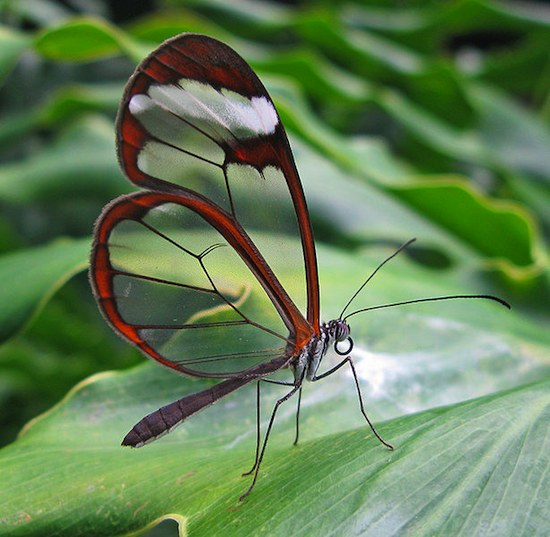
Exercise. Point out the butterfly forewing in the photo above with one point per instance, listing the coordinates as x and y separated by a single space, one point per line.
195 115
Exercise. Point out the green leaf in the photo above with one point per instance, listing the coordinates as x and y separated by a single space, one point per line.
364 53
430 129
447 214
338 477
417 358
82 161
162 25
86 39
34 275
511 136
502 232
245 16
38 13
68 336
441 90
317 77
12 45
65 105
77 99
441 210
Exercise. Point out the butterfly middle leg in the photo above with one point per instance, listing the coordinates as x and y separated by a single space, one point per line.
258 426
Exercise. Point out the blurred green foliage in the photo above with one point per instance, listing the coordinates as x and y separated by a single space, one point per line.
413 119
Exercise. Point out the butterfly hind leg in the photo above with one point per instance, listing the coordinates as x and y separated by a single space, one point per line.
260 452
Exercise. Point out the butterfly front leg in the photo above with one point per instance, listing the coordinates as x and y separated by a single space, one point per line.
348 360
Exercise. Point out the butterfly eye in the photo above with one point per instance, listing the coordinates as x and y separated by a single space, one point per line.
338 329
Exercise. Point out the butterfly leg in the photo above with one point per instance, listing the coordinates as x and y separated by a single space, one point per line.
258 435
258 428
297 406
298 417
268 431
348 360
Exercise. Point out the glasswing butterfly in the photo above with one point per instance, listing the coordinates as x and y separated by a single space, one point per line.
179 269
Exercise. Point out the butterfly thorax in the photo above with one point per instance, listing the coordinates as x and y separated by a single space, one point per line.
312 354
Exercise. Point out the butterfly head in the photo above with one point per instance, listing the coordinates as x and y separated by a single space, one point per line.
338 330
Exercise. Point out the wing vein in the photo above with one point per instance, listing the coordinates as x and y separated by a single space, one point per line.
223 357
189 326
163 281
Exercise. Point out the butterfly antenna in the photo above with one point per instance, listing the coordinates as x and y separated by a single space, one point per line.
430 299
401 248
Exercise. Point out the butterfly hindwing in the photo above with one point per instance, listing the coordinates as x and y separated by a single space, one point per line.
182 281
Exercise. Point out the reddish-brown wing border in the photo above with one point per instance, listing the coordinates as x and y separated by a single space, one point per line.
207 60
135 207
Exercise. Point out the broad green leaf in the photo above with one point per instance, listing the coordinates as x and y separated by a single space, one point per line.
12 45
78 99
511 136
39 13
447 213
338 477
455 470
34 275
502 231
66 342
368 156
364 53
85 40
364 212
16 126
533 194
82 161
440 89
243 16
473 14
430 129
64 105
162 25
505 139
509 239
426 26
527 60
317 77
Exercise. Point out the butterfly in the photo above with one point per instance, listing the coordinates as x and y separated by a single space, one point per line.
182 268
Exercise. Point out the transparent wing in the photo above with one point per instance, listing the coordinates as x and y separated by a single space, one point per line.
180 279
195 115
